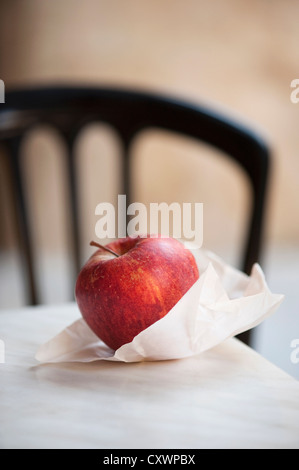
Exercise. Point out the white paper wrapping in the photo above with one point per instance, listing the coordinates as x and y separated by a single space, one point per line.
222 303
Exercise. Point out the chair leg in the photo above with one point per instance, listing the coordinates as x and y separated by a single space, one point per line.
21 218
245 337
74 206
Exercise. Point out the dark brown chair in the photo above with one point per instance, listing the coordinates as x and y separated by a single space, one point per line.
68 109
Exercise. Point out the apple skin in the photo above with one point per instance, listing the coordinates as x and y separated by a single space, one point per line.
120 296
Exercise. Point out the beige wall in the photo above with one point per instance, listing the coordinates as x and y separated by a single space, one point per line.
239 56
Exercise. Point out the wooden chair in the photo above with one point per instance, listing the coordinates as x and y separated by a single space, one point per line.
70 108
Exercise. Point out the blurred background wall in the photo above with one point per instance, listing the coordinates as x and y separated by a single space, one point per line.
237 57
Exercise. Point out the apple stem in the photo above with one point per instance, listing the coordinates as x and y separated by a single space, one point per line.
104 248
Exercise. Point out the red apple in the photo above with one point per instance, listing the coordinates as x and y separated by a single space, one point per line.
122 291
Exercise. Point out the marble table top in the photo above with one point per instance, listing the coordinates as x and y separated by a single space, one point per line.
227 397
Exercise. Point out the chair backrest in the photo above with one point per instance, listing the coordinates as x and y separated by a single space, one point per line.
70 108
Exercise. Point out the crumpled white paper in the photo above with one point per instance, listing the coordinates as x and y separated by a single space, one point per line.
222 303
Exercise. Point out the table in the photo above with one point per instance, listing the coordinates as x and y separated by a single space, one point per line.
227 397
